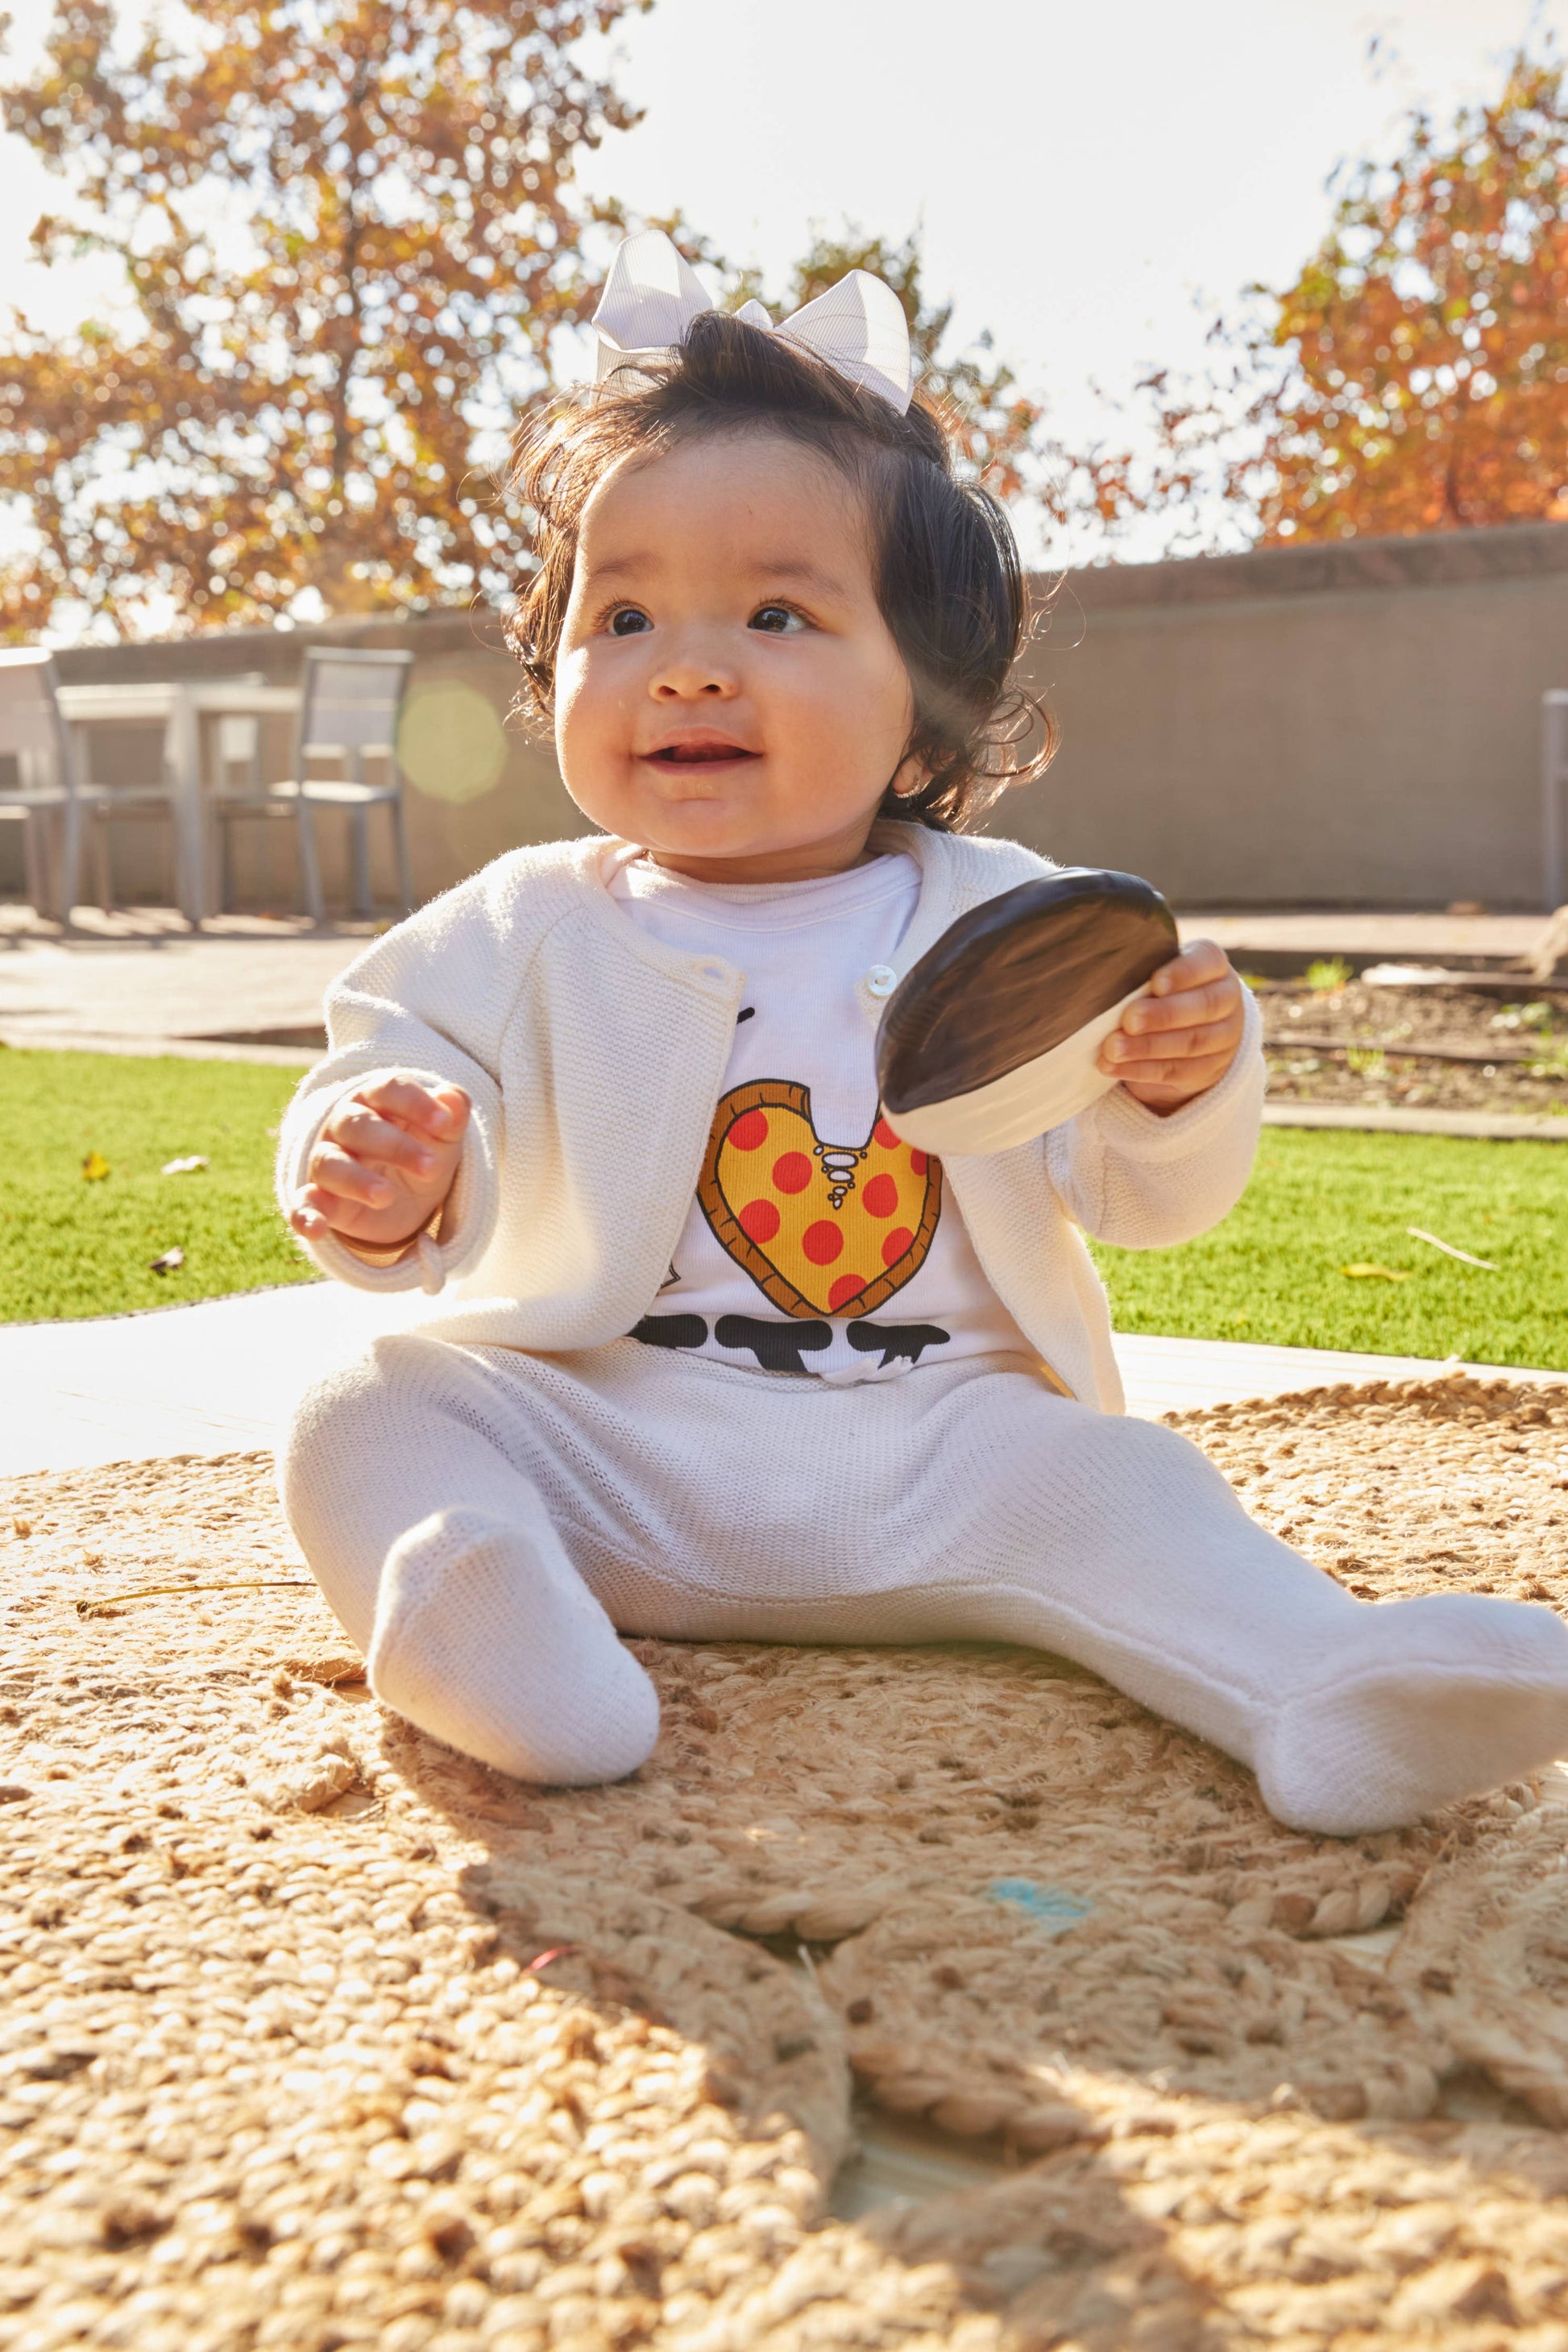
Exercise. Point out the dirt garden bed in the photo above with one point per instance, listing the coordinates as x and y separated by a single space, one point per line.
1333 1039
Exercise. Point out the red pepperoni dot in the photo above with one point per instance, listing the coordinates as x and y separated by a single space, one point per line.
883 1134
750 1131
822 1243
880 1197
792 1172
917 1162
760 1221
848 1286
895 1245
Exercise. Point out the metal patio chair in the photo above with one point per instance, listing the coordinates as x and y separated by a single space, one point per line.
46 796
348 714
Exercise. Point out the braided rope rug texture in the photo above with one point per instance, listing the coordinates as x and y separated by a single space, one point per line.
273 2072
1191 2225
1486 1952
1018 1869
1208 1979
284 2061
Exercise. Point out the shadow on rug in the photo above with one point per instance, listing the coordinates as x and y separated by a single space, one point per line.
318 2035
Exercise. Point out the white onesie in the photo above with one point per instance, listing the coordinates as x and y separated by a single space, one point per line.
817 1242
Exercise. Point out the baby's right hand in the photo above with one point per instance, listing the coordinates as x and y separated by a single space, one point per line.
383 1163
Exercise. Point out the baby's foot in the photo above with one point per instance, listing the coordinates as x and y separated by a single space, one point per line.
486 1637
1427 1700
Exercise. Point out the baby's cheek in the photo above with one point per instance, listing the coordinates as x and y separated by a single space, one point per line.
572 704
592 745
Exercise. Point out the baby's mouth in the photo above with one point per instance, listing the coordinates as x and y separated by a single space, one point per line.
703 752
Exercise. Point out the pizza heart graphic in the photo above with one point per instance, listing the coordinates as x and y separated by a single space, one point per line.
822 1228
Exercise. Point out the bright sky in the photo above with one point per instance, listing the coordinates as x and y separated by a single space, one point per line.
1090 181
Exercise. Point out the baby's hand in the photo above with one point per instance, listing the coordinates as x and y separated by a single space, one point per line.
1181 1039
384 1162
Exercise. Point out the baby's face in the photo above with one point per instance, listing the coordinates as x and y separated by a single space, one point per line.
727 691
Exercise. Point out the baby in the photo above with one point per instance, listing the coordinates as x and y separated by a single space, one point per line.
722 1357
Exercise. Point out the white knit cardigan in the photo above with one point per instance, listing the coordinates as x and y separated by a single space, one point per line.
594 1057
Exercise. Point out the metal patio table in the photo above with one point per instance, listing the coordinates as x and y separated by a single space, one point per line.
179 705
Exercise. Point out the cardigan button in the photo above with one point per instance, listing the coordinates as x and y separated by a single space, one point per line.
881 980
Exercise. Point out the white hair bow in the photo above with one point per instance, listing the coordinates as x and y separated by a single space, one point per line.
651 297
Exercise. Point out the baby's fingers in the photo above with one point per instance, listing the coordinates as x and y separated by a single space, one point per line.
439 1112
306 1216
316 1214
1197 966
1127 1054
1185 1008
455 1105
363 1132
336 1176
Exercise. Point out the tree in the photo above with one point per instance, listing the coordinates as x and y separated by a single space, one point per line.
1427 343
1414 378
348 236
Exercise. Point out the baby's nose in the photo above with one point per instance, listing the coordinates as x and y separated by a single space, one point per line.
689 682
693 672
689 689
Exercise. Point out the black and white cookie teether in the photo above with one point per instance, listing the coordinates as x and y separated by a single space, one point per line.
994 1036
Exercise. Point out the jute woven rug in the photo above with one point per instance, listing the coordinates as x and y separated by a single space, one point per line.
318 2035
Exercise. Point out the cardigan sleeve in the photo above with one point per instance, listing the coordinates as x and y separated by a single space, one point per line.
1128 1176
427 1002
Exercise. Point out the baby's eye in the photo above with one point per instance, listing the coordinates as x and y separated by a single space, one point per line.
776 619
628 621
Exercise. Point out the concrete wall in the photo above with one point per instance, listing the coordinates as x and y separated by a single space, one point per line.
1356 725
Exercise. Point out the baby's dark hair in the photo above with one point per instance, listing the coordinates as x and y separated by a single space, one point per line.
948 579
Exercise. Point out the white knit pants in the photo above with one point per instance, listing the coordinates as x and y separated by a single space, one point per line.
483 1521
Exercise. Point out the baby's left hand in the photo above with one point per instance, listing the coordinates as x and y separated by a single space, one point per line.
1181 1039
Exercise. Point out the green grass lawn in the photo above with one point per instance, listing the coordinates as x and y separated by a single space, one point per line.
71 1247
1271 1272
1321 1202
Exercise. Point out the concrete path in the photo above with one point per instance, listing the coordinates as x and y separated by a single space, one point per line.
1401 935
114 989
221 1377
218 1378
1389 1118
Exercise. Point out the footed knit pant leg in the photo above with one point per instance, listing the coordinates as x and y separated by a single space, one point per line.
1126 1549
434 1547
